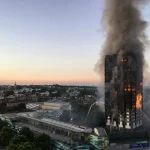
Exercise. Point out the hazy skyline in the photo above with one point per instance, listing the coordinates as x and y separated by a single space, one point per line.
51 41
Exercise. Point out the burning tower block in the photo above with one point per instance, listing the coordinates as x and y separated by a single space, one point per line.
123 93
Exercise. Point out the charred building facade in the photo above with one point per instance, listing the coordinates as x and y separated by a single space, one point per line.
123 93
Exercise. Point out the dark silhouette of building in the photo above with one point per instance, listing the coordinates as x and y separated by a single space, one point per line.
123 93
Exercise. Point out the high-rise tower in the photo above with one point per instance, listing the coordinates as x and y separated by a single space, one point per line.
123 92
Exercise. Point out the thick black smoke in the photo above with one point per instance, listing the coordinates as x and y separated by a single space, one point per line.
125 36
125 31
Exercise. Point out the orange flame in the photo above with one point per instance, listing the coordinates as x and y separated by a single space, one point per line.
139 101
123 60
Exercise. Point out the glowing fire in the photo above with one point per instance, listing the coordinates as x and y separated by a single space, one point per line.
123 60
139 100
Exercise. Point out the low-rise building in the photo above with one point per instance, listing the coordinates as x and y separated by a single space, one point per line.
64 132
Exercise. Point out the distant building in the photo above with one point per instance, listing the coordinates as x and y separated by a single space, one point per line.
49 105
12 101
60 110
32 106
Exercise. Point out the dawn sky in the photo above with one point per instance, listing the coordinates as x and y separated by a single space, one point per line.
51 41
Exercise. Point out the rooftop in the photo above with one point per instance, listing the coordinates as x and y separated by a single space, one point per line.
57 123
32 106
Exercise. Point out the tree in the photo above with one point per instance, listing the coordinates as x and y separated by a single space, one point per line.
3 124
8 93
6 135
33 91
28 133
18 139
11 147
19 87
27 146
22 146
43 141
43 89
85 91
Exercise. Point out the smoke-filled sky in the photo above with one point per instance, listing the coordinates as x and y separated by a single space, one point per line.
51 41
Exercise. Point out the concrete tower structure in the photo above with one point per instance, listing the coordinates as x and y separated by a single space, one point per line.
123 93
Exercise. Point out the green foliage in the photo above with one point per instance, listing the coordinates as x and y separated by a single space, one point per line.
11 147
33 91
21 142
85 92
27 146
43 89
22 146
6 135
24 141
60 90
8 93
19 87
43 141
28 133
3 124
19 139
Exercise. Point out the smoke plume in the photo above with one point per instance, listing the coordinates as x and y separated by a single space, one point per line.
125 31
126 38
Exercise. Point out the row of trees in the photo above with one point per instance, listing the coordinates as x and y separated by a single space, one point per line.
60 91
85 92
24 140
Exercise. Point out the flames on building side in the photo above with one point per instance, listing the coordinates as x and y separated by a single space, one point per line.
139 101
123 92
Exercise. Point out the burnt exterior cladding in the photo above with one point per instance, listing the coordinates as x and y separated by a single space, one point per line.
123 93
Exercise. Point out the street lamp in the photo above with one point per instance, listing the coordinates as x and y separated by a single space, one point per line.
90 110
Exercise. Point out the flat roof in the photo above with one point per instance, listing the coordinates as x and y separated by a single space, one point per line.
58 124
49 107
31 106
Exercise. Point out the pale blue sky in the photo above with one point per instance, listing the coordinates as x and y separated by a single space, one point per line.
47 41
